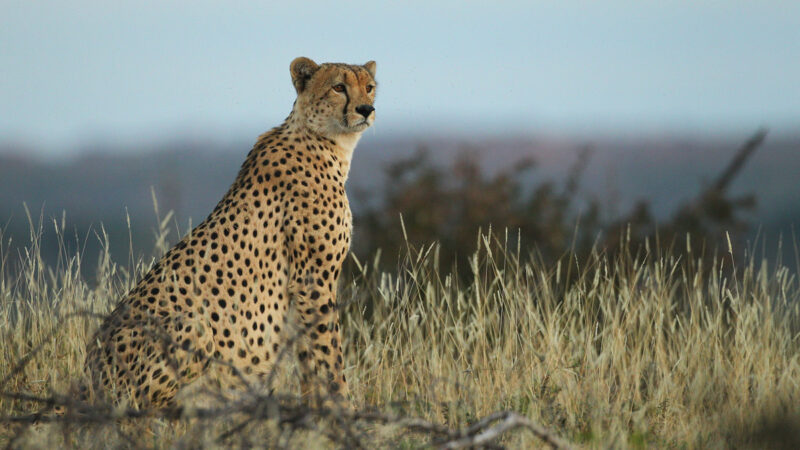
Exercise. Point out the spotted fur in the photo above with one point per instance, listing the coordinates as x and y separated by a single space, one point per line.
271 249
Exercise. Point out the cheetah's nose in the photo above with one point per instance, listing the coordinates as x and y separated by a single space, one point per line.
365 110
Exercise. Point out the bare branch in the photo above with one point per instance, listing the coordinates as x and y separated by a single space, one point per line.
738 161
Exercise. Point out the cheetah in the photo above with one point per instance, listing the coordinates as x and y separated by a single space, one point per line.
271 249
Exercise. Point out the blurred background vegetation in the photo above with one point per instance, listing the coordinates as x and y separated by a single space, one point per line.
418 193
423 202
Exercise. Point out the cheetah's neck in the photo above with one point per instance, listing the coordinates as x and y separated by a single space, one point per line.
342 145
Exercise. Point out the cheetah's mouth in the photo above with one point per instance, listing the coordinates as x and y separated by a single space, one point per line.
360 126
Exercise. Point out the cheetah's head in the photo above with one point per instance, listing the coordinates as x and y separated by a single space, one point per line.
334 99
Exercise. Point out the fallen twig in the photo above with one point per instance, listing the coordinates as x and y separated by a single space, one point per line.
291 412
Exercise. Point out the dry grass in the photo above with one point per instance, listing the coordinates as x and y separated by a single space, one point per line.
640 350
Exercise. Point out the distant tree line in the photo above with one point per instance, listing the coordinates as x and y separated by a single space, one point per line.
449 204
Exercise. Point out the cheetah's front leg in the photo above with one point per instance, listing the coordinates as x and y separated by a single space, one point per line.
319 350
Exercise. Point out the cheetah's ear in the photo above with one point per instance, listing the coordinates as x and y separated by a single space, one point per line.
370 66
302 69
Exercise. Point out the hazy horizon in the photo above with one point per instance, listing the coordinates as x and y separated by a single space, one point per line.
85 72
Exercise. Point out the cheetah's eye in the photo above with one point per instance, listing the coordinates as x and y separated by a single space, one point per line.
339 88
370 88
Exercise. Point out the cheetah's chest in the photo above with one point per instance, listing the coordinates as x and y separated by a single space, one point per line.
327 219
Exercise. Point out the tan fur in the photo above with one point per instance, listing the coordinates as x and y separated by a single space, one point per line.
272 249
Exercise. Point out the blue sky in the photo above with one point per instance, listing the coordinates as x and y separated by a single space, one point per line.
73 72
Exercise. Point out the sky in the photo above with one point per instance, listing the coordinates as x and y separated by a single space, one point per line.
81 71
